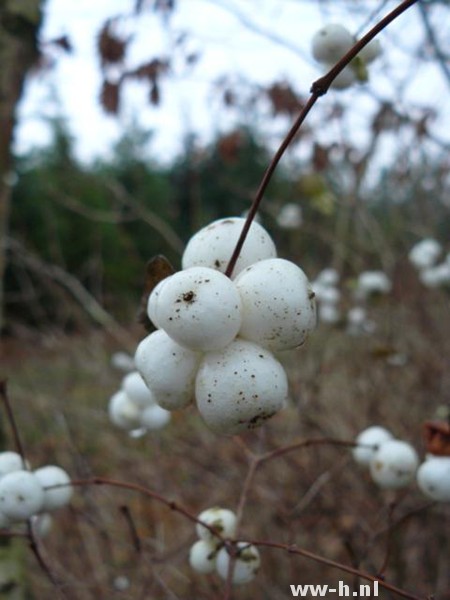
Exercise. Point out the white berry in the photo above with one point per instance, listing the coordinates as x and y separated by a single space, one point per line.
221 520
213 245
199 308
21 495
49 476
10 462
370 440
278 308
123 412
202 557
42 524
370 52
331 43
154 417
137 390
433 478
394 464
246 565
168 369
239 388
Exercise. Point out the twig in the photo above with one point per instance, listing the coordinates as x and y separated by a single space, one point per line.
293 549
318 89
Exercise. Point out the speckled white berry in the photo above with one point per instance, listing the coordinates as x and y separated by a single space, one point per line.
237 389
10 462
213 245
278 308
199 308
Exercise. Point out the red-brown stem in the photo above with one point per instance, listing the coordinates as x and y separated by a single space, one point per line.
292 549
12 422
134 487
318 88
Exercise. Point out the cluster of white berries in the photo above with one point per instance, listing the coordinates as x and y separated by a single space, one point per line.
133 407
209 553
216 335
329 299
394 464
331 43
26 494
424 256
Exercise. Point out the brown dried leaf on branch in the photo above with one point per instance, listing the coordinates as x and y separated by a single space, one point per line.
437 437
111 47
110 97
283 99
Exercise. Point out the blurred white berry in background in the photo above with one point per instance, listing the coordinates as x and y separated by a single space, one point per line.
123 412
435 277
240 387
369 441
328 313
202 556
154 417
213 245
122 362
358 322
137 391
199 308
371 283
290 216
425 253
246 565
42 524
21 495
221 520
331 43
433 478
278 308
58 497
394 464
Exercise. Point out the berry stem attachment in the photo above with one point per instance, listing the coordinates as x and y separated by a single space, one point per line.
318 88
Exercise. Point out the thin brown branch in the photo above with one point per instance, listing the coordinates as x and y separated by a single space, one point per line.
293 549
318 88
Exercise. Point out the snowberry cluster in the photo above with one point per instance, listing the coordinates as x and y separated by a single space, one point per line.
209 554
134 409
216 335
331 43
393 464
26 494
424 256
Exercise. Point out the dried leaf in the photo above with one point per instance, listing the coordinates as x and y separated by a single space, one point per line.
437 437
110 97
157 269
110 47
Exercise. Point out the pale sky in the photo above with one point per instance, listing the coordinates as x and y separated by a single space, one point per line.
226 47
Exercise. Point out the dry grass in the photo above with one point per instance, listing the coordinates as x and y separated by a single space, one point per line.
315 497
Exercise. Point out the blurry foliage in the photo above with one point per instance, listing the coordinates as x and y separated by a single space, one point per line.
97 221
